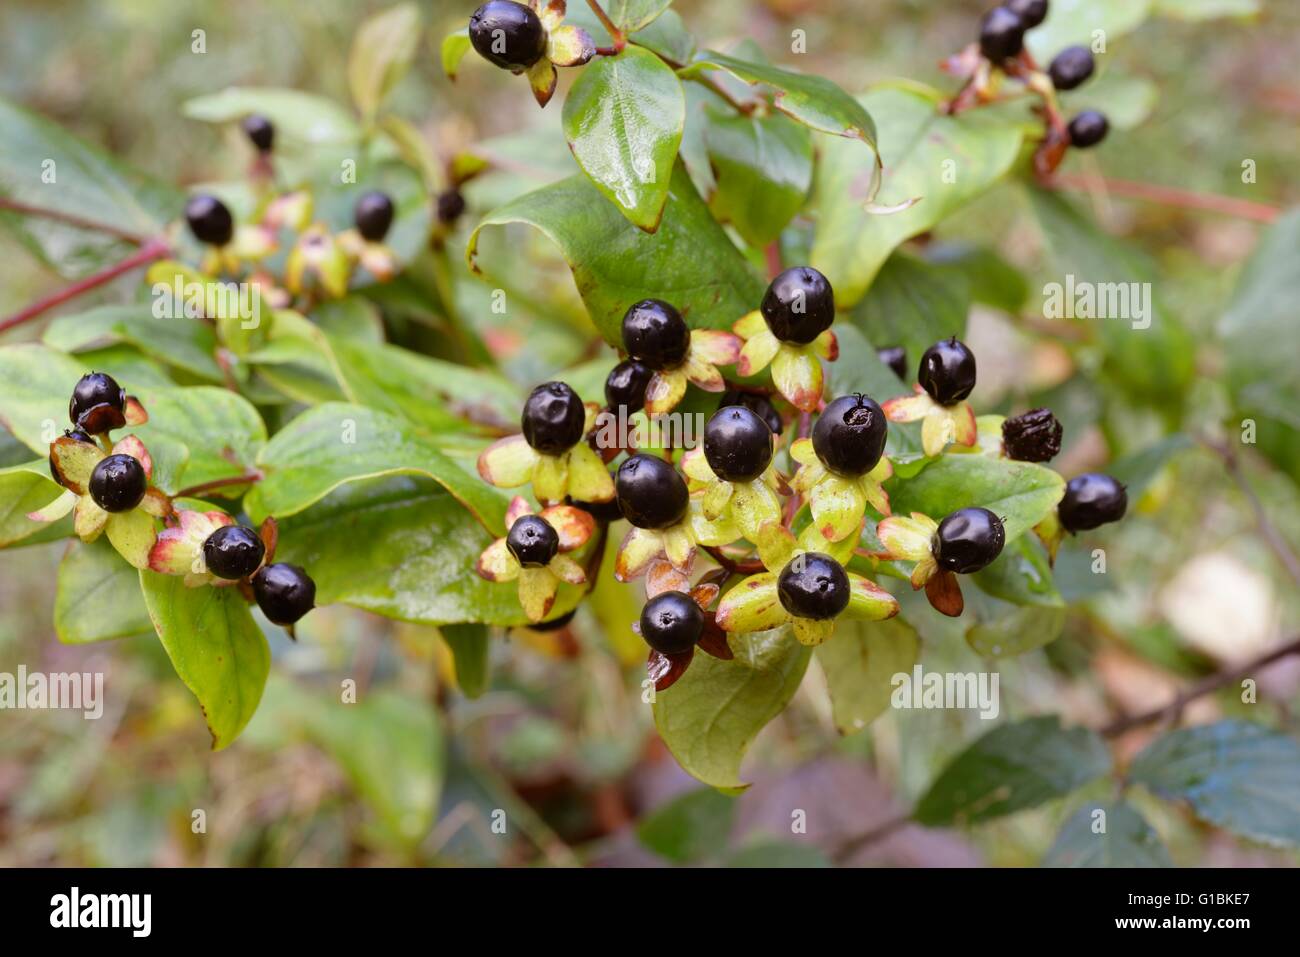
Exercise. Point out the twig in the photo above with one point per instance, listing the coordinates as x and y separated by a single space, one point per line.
154 249
744 109
620 38
1266 527
854 844
26 209
1167 196
1203 687
248 478
745 567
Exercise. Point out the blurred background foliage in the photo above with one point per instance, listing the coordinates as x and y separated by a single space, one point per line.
559 741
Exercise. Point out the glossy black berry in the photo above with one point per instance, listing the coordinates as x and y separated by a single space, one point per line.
656 333
1034 436
1030 12
626 384
284 592
968 539
1002 34
97 404
947 371
799 305
671 623
233 552
209 220
737 444
451 204
260 132
896 358
553 418
1090 501
850 434
758 404
77 434
118 483
1070 68
1088 129
650 492
532 541
373 215
508 34
813 586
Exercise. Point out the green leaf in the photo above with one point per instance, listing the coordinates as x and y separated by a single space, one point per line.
631 15
1139 469
711 715
1022 494
1127 100
1206 9
914 304
814 101
1013 767
668 37
214 645
1262 380
403 548
336 443
692 827
764 167
98 596
188 344
26 488
623 120
297 116
1125 839
1021 575
860 662
1003 630
942 161
1078 21
454 47
689 261
769 854
199 434
38 382
1236 774
381 54
470 647
86 184
993 281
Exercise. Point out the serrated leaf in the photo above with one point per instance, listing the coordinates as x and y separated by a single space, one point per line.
711 715
381 54
1013 767
692 827
860 663
98 596
1126 841
1237 774
215 646
689 261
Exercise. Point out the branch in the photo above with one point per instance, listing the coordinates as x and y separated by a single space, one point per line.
854 844
1266 527
71 219
1166 195
749 567
248 478
620 38
154 249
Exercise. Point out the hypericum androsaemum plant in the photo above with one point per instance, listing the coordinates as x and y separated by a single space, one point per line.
311 349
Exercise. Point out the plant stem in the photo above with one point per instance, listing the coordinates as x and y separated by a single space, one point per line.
154 249
746 567
248 478
854 844
744 109
26 209
773 254
1203 687
1166 196
620 38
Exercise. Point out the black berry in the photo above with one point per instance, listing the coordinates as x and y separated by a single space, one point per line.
373 215
656 333
553 418
233 552
1034 436
850 434
758 404
947 371
284 592
1002 34
799 305
1030 12
896 358
1070 68
209 219
813 586
626 384
532 541
97 404
737 444
650 492
451 204
1091 500
671 623
1088 129
508 34
118 483
77 434
968 539
260 132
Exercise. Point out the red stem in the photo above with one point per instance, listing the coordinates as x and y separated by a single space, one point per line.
153 249
248 478
773 254
1168 196
620 39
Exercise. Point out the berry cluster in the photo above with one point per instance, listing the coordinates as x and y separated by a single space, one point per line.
530 39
